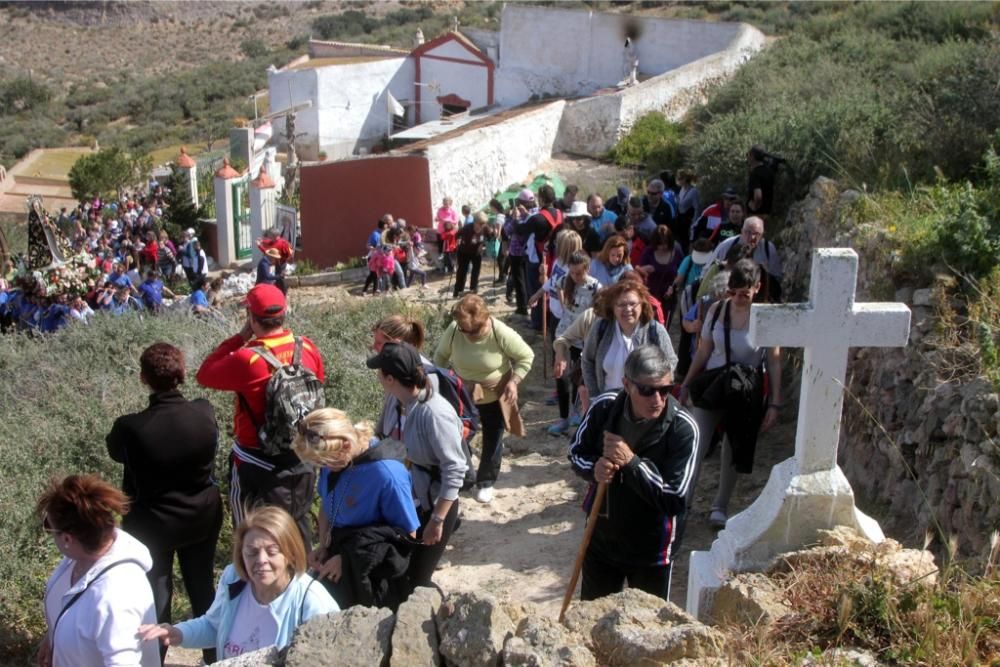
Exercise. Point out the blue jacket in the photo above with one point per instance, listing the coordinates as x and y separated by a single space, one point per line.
300 602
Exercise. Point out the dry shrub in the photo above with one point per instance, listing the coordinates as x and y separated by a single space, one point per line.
850 600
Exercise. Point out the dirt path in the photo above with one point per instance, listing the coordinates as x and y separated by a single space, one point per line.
521 546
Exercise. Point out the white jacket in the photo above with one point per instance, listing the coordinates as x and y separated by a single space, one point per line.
99 629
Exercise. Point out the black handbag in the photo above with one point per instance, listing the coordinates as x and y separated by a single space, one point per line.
718 388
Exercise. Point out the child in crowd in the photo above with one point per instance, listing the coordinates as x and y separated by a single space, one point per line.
466 215
386 267
414 265
449 246
375 262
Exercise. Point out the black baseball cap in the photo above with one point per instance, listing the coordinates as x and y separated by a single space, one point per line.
400 360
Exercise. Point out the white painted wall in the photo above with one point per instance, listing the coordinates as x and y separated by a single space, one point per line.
571 53
475 164
468 81
591 126
328 125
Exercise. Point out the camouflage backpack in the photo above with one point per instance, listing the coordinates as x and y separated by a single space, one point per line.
292 392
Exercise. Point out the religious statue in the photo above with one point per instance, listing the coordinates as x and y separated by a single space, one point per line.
47 247
631 63
418 39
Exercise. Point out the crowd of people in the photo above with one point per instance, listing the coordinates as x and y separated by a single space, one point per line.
114 256
602 282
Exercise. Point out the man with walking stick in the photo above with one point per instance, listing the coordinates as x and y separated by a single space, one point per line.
640 446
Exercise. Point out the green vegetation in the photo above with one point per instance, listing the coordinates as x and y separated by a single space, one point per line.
877 95
107 171
948 228
180 213
398 26
652 142
62 394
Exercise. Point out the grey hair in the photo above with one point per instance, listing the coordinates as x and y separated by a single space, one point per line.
649 361
273 232
658 184
720 283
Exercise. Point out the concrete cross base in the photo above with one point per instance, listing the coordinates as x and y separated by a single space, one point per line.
786 517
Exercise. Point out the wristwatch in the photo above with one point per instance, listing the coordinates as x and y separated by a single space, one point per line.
436 519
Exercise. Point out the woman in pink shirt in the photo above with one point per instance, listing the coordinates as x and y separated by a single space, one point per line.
444 215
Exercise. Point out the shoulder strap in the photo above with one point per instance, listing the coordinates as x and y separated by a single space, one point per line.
80 593
266 355
725 330
297 355
553 221
715 316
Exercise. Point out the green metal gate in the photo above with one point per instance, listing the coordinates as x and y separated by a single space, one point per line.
241 219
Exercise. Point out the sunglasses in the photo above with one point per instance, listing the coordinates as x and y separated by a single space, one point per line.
48 527
313 437
647 390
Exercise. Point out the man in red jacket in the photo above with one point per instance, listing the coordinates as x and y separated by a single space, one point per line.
255 478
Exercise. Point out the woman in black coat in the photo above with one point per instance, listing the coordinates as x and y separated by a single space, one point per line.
168 451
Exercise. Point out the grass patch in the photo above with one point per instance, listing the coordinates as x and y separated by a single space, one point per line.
56 162
62 393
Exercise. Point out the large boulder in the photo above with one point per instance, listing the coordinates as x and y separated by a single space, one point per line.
843 545
355 637
635 628
582 616
415 638
749 599
473 628
543 642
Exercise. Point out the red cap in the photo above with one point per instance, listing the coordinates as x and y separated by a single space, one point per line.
265 301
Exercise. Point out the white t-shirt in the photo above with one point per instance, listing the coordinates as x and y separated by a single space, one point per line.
741 351
253 628
99 629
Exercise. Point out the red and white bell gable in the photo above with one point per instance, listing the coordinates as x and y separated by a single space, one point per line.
450 71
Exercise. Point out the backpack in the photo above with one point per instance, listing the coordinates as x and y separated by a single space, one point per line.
453 390
292 392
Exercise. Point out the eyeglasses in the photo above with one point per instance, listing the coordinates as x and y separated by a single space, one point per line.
311 436
627 305
654 193
48 527
648 390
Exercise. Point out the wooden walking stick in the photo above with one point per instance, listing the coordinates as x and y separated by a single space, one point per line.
595 509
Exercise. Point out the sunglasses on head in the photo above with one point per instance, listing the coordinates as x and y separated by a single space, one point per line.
314 437
648 390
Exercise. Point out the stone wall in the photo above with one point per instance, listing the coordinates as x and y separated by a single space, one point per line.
919 436
533 64
621 630
474 164
349 108
591 126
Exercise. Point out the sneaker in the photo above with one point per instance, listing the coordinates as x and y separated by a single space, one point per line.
575 420
559 427
717 519
484 494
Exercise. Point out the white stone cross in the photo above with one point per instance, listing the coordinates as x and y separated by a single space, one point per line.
809 492
827 327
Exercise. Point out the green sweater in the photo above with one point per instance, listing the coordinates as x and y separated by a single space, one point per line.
486 360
